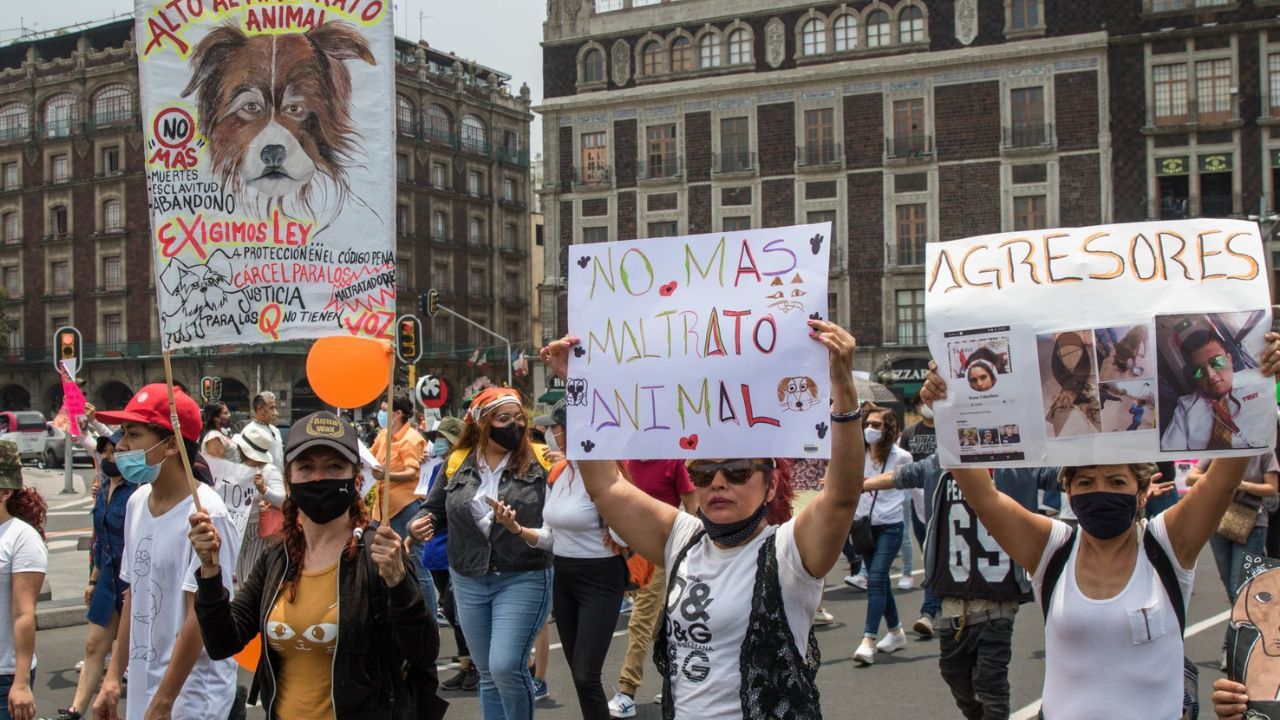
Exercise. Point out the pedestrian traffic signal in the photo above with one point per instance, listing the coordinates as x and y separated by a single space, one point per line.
430 303
408 339
66 346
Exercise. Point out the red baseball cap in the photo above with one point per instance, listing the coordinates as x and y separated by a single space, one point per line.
150 406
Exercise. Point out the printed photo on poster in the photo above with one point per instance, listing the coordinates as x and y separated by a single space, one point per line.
981 364
1069 384
980 361
1212 396
1010 435
1253 637
1124 352
1128 406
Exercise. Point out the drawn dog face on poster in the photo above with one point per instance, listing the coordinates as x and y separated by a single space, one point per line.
276 110
1253 641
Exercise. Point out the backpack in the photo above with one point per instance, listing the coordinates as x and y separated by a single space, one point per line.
1168 578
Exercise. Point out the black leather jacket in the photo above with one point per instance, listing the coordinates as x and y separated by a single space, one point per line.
472 552
384 661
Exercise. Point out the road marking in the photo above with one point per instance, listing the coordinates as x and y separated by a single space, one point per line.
62 544
1033 709
64 533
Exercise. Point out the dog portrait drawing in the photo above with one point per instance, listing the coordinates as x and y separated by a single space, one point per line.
276 112
797 393
1254 650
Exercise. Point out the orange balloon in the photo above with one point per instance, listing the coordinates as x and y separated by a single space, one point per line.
248 657
348 372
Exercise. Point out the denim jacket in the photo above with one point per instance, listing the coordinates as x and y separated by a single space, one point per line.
108 530
472 552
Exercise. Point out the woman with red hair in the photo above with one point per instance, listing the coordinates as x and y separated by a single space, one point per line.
501 585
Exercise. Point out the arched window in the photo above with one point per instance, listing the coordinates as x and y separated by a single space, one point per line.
709 51
13 121
438 123
474 136
111 220
651 59
739 47
593 66
59 115
404 115
814 37
681 55
846 33
878 29
112 104
911 25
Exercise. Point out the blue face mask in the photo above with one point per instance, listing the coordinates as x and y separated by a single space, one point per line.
134 468
440 447
382 418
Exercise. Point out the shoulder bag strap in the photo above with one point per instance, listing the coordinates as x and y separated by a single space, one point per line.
1053 571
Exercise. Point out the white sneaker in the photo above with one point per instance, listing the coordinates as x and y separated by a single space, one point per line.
857 582
657 699
822 617
924 626
866 653
622 706
907 581
894 641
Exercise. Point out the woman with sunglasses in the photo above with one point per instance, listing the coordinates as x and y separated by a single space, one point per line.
885 508
736 637
501 585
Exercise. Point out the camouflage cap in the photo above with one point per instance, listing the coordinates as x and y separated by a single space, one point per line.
10 466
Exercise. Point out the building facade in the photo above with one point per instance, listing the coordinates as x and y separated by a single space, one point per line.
901 122
74 223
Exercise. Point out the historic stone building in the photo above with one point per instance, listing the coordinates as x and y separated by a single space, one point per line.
73 222
902 122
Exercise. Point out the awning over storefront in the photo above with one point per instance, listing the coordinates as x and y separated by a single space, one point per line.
554 392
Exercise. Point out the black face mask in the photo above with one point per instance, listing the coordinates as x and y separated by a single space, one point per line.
508 437
109 469
734 533
1105 515
323 500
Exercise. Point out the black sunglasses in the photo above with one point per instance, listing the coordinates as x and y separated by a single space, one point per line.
737 472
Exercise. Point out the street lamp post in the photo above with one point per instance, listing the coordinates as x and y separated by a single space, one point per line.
437 307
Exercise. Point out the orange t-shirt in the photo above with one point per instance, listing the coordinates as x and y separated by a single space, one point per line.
407 447
304 633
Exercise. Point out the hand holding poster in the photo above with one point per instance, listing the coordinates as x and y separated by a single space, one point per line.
1109 344
271 196
699 346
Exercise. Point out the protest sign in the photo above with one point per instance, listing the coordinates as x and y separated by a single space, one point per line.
699 346
368 463
269 148
1108 344
1253 647
234 484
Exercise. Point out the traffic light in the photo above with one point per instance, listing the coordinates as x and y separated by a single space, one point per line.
66 343
430 303
408 339
206 388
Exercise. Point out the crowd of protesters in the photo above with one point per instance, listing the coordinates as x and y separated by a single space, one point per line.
480 523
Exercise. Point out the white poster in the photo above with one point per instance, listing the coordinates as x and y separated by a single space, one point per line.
699 346
234 484
1107 344
269 158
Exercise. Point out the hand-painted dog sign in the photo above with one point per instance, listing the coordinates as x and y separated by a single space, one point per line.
1253 645
271 197
699 346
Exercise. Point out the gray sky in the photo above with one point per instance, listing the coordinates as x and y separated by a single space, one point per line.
502 34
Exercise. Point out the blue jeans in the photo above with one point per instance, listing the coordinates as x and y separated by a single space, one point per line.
501 613
400 523
932 603
6 683
1227 556
879 597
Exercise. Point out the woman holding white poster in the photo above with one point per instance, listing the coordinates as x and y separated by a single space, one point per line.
727 563
1106 643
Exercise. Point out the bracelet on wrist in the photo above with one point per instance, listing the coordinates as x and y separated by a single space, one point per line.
844 417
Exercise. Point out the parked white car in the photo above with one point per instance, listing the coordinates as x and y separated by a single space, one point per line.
55 449
28 430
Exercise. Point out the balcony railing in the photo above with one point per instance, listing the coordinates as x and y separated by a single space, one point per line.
667 168
1217 206
598 175
440 236
440 136
1214 206
11 129
1199 113
112 118
905 333
1174 208
907 147
1020 137
734 161
513 156
57 128
512 202
819 155
475 146
905 253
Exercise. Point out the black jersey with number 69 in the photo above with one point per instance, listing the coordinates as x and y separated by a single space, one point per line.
968 563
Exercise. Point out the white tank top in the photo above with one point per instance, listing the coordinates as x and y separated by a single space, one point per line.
1124 653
